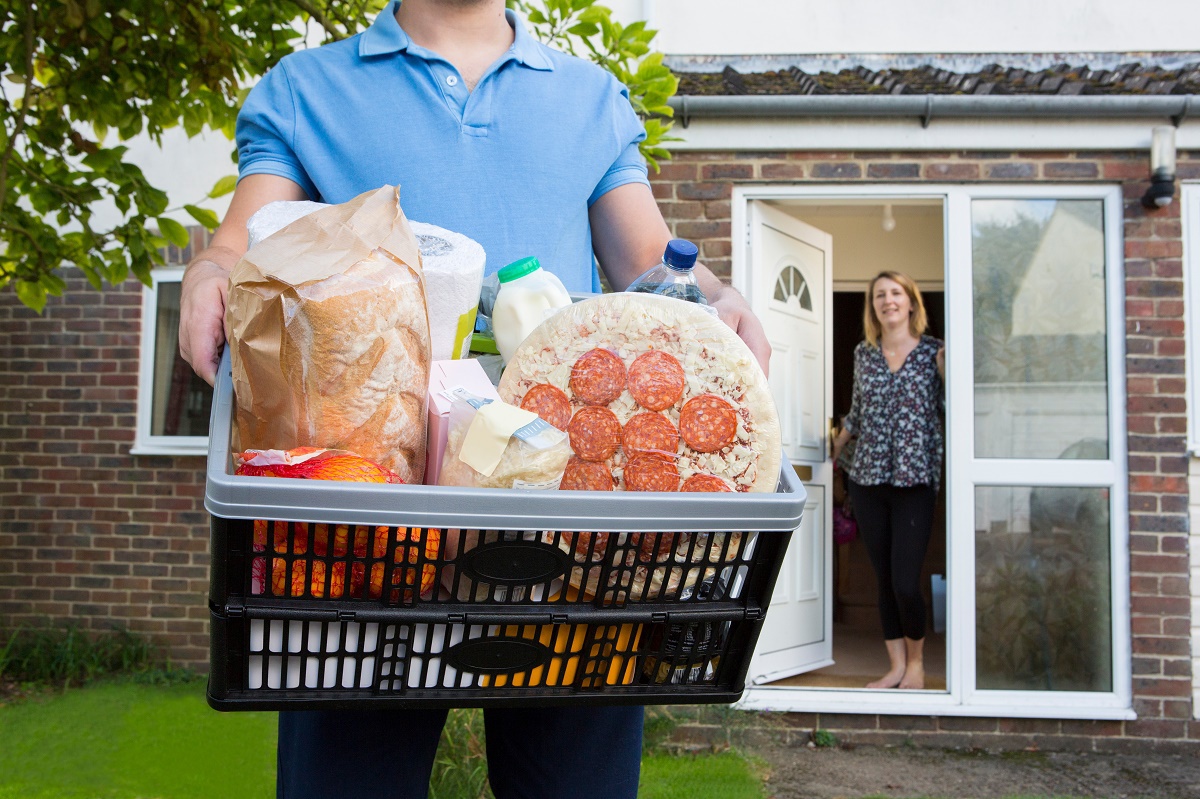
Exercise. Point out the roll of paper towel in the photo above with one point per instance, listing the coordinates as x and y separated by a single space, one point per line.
274 216
453 266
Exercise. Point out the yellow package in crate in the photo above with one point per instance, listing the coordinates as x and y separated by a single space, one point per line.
609 651
606 650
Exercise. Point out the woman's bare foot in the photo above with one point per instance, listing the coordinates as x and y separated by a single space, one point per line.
914 658
890 680
914 676
897 658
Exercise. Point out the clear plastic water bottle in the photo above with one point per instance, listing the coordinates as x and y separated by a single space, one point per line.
673 275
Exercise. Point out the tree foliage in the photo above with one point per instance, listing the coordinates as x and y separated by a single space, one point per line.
587 29
80 77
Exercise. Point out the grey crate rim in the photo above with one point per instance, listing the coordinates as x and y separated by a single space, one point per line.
232 496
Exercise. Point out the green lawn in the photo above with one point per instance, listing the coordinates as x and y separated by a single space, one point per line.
124 740
726 775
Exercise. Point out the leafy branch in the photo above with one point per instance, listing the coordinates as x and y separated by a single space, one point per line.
80 77
585 28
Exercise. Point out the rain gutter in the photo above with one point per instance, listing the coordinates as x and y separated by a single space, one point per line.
928 107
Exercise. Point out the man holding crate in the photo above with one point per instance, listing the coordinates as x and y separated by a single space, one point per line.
527 151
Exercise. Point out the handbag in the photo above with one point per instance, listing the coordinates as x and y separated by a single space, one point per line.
845 527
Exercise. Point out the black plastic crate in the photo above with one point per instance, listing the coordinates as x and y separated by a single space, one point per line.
266 659
269 562
327 594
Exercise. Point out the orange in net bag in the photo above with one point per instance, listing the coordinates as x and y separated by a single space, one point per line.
312 463
353 557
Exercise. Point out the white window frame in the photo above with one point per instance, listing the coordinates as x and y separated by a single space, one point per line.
963 697
1190 218
145 442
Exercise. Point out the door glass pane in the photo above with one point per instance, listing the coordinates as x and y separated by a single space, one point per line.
181 400
1042 589
1041 382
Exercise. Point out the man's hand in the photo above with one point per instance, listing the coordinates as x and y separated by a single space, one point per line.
735 312
205 288
628 235
203 294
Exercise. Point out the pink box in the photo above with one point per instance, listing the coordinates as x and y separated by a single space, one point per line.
443 375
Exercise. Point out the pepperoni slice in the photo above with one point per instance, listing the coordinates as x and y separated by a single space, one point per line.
650 434
598 377
550 403
582 542
584 475
705 482
707 423
656 380
659 547
648 473
595 433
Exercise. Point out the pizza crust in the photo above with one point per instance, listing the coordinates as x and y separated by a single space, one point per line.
714 360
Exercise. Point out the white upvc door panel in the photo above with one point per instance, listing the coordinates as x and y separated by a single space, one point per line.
791 263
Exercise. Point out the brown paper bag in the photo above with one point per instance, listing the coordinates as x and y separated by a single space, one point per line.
329 336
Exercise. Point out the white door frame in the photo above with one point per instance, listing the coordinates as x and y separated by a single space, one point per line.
1190 216
965 472
818 513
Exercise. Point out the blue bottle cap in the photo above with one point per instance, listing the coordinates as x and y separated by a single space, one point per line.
680 254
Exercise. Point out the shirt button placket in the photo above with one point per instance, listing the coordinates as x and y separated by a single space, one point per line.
455 93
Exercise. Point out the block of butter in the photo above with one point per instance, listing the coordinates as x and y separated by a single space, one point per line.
443 376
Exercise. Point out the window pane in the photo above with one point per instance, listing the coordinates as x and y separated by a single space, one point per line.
181 401
1042 589
1041 381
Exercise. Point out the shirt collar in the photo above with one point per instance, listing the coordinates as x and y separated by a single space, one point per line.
385 36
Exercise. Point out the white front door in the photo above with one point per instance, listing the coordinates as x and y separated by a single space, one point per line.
791 265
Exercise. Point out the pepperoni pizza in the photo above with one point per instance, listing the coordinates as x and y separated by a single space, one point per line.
655 395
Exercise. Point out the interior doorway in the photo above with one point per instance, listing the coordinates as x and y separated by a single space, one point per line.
869 235
858 651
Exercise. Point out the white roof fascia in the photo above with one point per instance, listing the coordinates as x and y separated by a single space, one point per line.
906 134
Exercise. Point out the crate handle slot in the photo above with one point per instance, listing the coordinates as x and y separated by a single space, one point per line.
497 656
516 563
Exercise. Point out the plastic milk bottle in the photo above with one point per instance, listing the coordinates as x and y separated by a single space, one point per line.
528 294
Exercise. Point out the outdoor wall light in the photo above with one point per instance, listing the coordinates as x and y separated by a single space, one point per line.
1162 168
889 221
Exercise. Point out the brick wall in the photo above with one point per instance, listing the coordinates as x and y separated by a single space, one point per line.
88 532
694 192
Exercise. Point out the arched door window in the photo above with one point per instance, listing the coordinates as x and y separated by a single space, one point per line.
791 284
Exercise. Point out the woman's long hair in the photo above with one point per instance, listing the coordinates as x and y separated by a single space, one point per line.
917 320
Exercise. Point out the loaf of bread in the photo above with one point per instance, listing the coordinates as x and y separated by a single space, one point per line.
329 336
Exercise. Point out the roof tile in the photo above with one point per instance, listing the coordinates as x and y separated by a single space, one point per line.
1062 78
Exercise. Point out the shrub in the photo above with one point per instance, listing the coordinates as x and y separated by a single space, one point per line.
824 739
67 655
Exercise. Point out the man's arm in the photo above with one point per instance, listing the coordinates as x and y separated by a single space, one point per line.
629 236
205 284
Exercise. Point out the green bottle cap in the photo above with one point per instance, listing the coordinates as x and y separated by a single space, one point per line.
518 269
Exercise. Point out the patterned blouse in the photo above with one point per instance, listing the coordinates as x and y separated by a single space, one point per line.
896 417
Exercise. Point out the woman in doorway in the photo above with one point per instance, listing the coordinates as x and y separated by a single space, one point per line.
895 413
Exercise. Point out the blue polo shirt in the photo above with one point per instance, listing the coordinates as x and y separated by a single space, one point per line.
514 164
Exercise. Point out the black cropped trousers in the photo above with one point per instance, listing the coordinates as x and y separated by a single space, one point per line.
895 523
